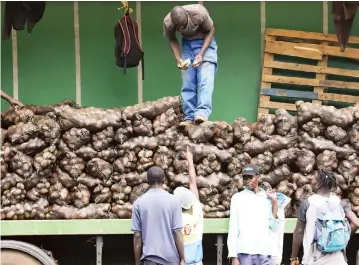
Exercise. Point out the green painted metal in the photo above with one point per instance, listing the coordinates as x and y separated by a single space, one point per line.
98 227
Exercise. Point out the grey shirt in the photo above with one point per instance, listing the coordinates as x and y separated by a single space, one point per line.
156 215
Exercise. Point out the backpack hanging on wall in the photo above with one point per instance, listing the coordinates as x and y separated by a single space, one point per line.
128 50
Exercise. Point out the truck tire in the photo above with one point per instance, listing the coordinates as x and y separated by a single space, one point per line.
17 253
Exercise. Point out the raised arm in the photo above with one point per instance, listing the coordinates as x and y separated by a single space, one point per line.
192 174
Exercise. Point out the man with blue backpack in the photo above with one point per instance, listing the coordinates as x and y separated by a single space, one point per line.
322 225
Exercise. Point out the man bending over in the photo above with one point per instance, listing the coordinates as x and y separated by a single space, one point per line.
199 46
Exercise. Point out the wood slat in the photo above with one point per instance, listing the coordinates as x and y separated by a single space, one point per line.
291 49
276 105
307 35
308 50
310 82
289 93
338 97
312 68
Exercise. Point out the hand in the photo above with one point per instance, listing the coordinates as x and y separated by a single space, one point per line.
294 262
189 155
181 64
235 261
15 103
272 195
182 262
197 60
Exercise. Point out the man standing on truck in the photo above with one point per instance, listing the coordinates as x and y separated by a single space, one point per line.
308 230
157 224
192 215
198 61
253 212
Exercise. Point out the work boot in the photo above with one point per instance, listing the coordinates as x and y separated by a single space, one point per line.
199 119
184 124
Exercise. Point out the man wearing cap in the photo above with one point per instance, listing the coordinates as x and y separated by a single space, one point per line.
253 213
192 216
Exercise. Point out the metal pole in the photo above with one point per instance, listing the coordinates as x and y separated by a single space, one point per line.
99 245
219 249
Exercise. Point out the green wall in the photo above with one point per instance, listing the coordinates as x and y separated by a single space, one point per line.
47 57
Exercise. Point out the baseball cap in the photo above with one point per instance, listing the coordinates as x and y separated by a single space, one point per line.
250 170
186 197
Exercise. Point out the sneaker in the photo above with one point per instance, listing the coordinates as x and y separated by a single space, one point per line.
199 119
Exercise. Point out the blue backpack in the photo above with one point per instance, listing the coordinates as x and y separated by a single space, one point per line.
332 229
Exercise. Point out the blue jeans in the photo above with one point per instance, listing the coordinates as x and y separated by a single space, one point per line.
198 103
193 252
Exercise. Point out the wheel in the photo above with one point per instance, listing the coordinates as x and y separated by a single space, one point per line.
19 253
16 257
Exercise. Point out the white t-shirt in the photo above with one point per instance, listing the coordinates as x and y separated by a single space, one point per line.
193 224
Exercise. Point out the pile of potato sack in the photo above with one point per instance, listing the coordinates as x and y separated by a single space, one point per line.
66 162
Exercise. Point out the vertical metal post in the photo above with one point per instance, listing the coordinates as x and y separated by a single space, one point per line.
99 245
219 249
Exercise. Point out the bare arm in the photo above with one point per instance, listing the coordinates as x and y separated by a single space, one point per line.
13 102
207 40
175 48
297 238
137 246
179 244
275 208
192 174
353 220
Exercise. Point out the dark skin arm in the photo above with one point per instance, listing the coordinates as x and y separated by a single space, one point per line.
137 247
206 41
353 220
179 244
192 174
297 238
174 45
13 102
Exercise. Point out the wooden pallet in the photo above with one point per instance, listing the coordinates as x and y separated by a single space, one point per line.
283 49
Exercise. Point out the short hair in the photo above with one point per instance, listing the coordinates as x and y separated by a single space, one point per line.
155 175
327 180
179 15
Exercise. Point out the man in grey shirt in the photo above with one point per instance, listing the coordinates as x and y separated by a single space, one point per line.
157 224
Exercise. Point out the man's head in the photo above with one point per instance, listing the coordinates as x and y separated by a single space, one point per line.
250 175
325 180
186 197
179 17
155 176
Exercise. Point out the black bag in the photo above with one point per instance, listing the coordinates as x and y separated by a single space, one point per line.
128 50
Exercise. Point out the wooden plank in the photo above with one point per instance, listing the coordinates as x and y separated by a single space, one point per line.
339 84
310 82
338 97
289 93
290 80
350 53
307 35
276 105
312 68
267 58
309 50
294 49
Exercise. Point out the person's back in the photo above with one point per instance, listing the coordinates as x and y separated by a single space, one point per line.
157 209
157 224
